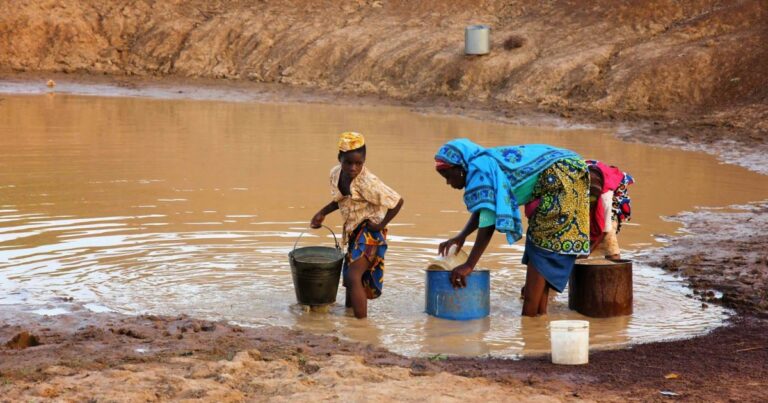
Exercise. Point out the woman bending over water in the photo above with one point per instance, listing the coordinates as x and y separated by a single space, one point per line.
552 183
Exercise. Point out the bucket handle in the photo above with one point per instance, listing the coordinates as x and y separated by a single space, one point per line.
324 226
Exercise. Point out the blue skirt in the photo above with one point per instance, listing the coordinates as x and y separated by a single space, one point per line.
555 267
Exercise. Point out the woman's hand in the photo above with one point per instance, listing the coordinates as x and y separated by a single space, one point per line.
446 246
317 220
459 275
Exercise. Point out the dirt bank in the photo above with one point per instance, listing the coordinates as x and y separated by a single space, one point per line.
148 358
689 66
86 356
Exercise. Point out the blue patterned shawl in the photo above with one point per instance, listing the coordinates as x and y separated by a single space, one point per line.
492 173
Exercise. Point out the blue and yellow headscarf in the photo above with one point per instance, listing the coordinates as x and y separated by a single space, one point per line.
492 173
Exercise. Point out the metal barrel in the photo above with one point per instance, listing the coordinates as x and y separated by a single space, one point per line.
470 302
477 40
601 290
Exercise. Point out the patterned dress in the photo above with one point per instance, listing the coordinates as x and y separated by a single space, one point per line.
558 227
561 221
368 201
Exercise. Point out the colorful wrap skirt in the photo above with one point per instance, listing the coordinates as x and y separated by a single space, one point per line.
558 229
373 245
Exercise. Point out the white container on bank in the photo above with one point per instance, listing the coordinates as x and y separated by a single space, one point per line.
477 40
570 341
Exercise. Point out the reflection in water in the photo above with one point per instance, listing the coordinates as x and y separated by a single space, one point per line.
456 337
172 206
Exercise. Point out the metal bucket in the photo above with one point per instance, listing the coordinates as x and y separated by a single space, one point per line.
316 271
470 302
477 40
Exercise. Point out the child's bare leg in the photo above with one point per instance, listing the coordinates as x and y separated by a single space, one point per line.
535 286
356 297
348 300
614 256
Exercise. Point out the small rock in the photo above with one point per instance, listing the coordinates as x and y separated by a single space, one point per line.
255 354
224 378
287 72
532 380
131 333
47 391
58 370
193 394
420 368
310 368
23 340
50 83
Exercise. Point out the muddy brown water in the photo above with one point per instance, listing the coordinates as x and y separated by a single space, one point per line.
171 205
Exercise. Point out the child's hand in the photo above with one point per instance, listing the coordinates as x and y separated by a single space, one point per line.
317 220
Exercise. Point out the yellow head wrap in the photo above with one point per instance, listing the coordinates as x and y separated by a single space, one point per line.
349 141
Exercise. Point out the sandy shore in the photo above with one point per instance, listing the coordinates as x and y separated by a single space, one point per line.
109 357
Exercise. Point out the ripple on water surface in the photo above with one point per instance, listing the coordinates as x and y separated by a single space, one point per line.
244 276
171 206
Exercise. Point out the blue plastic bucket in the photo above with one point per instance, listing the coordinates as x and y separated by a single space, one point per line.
470 302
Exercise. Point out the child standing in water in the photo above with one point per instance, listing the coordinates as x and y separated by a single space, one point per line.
608 207
367 205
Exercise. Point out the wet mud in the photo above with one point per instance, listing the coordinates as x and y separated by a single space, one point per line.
154 358
723 256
